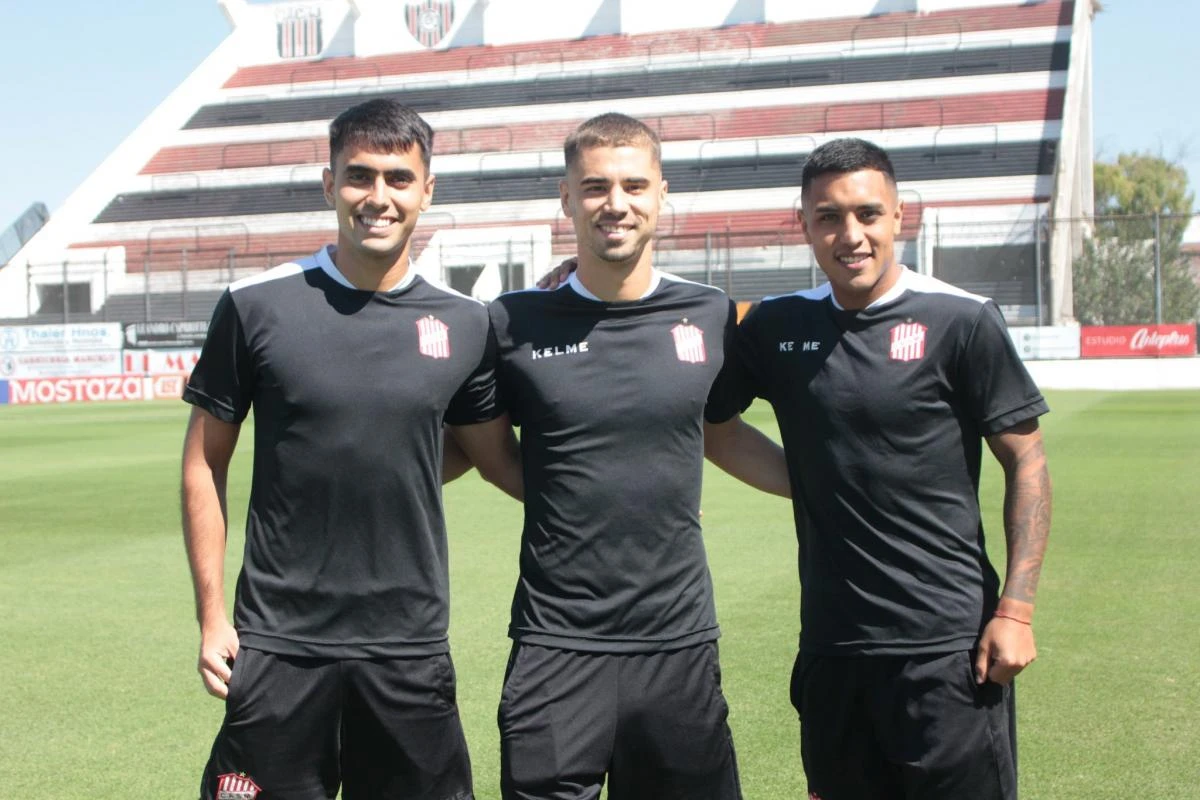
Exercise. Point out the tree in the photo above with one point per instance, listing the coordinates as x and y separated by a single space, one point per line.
1114 278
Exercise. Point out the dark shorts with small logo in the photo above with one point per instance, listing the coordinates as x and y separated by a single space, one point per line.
300 727
915 727
653 724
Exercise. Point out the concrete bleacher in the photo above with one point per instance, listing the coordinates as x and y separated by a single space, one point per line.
127 308
994 107
736 173
197 304
969 100
616 85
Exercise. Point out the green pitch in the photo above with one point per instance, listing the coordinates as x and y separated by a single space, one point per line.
100 698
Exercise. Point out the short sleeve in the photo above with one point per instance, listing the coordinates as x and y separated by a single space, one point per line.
501 339
737 384
477 400
999 391
222 382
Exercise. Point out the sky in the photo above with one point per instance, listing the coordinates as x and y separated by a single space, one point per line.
78 76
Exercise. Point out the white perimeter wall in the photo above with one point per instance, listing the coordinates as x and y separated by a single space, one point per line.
1117 373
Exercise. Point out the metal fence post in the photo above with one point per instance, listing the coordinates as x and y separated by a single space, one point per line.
708 257
728 262
508 268
104 305
937 245
146 288
1158 317
1038 227
183 294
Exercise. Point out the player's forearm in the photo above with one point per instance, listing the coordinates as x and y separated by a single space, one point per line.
749 455
505 473
204 536
455 463
494 450
208 447
1027 510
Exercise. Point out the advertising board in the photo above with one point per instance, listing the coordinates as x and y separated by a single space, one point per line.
61 338
55 364
1137 341
95 389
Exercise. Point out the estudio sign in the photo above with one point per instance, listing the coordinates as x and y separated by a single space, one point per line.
1137 341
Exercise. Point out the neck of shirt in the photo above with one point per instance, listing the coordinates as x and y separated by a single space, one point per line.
325 258
889 296
577 285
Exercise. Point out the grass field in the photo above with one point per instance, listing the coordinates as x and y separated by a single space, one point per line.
100 698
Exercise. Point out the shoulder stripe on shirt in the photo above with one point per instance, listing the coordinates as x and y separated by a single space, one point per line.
910 281
667 276
441 287
276 273
815 293
927 284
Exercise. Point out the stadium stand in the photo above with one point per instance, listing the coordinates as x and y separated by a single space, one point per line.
984 105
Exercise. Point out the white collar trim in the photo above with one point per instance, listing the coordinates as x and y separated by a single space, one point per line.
890 296
583 291
325 260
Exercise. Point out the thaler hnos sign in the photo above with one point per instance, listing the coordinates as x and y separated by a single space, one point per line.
1137 341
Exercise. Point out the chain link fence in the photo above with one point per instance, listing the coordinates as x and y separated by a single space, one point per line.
1134 270
164 284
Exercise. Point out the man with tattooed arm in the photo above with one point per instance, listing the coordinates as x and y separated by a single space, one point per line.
886 383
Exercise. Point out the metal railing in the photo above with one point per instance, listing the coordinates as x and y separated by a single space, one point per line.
1121 270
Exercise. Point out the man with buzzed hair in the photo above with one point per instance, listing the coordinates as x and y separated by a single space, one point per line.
614 673
336 670
886 383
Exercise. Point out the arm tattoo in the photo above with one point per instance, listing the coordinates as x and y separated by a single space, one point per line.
1027 502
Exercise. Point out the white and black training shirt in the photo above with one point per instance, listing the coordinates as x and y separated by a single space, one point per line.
345 539
882 411
610 399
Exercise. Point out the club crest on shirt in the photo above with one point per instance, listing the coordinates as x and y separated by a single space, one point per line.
232 786
908 341
433 337
689 343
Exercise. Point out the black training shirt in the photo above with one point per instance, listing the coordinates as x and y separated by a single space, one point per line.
345 539
882 413
610 398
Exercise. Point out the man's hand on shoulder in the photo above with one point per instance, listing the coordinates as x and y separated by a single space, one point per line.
559 275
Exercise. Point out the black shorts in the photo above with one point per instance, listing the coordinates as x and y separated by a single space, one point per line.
654 723
300 727
916 727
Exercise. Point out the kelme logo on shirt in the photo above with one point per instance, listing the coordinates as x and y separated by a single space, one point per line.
433 337
233 786
559 350
689 343
908 341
